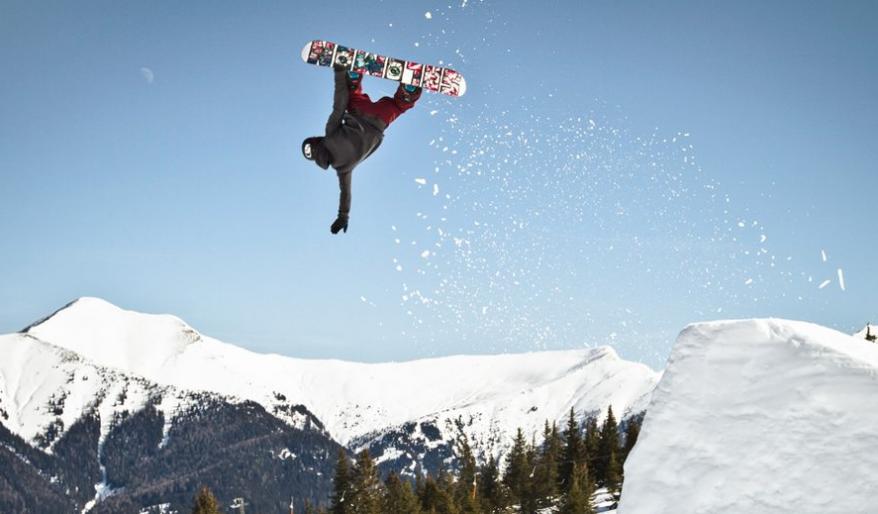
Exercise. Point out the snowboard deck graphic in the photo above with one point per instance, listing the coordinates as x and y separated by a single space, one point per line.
435 79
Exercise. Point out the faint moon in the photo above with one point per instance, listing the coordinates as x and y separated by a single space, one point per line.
148 75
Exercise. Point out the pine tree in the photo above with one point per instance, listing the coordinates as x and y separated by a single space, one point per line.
438 495
577 499
429 494
205 502
490 489
530 495
572 453
342 491
465 495
592 446
632 432
445 501
518 470
613 479
366 488
419 485
608 450
545 484
399 497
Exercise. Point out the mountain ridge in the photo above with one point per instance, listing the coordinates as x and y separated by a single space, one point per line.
91 376
351 399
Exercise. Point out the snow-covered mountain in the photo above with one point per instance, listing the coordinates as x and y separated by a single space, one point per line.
97 399
759 416
78 436
399 409
45 389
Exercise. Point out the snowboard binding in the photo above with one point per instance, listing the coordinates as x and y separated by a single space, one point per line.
408 93
354 80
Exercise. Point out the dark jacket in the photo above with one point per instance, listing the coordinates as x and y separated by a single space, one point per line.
350 139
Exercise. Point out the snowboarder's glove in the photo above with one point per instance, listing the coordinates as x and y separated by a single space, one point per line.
340 223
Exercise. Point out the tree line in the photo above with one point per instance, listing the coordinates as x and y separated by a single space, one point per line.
562 470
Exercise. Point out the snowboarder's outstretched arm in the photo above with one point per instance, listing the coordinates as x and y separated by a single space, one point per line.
344 203
344 197
339 101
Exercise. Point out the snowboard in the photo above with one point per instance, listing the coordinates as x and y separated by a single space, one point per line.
435 79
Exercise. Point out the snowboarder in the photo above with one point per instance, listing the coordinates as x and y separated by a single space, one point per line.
354 131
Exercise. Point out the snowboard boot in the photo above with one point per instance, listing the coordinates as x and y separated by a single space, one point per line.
354 80
407 93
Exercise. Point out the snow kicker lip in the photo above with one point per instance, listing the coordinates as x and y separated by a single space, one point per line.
435 79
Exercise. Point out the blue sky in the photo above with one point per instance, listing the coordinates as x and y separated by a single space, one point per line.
616 171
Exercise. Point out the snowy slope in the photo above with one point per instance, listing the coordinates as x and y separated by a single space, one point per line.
759 416
356 401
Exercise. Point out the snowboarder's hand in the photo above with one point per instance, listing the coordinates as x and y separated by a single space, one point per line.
340 223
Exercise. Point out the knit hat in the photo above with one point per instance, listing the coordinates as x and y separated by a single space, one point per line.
314 150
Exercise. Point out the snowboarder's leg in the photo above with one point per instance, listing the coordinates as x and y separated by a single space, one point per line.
359 101
340 97
388 109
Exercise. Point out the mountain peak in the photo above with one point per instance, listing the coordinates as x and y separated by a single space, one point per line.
105 333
